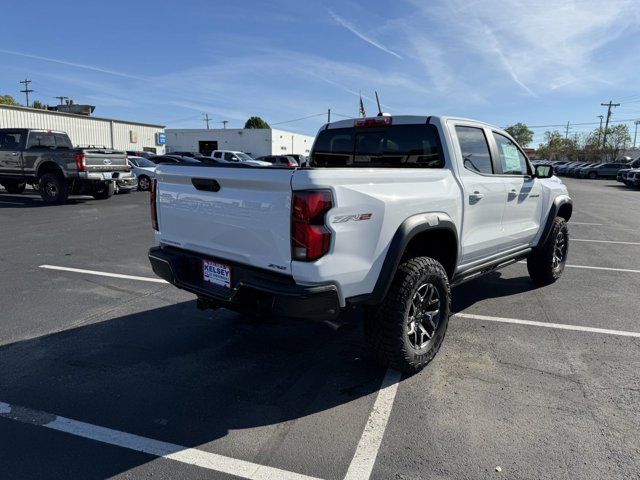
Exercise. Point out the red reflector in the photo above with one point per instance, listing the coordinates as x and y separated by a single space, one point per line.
80 162
310 238
152 203
373 122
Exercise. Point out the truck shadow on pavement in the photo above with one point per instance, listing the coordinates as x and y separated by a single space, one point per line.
178 375
30 201
491 285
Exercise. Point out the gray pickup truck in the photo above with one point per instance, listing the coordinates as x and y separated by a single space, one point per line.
48 160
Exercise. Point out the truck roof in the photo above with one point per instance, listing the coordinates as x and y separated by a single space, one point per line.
407 120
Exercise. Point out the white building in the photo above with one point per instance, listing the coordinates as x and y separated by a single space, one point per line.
253 141
86 130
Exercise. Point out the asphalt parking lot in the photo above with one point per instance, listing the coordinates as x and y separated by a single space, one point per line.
120 377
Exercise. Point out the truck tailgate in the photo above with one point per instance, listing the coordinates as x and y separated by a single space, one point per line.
235 214
99 160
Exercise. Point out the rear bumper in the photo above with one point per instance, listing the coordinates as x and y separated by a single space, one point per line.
252 290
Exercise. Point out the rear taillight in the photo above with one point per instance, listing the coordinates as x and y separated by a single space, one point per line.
293 163
80 162
310 237
154 208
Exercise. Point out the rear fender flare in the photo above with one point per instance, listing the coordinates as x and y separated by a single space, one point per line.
407 230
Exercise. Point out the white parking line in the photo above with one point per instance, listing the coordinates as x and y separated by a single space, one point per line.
603 241
191 456
365 457
628 270
559 326
104 274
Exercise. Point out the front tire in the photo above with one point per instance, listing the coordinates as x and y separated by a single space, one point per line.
406 331
53 188
546 263
593 175
104 190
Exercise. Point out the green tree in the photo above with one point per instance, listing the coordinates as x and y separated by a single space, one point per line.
618 138
8 100
556 147
521 133
256 122
38 104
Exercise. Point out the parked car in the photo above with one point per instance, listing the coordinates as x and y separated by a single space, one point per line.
633 178
393 212
574 171
48 160
143 154
126 183
238 158
144 171
279 160
623 171
301 159
169 159
562 169
604 170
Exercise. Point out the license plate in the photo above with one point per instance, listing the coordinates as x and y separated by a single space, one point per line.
216 273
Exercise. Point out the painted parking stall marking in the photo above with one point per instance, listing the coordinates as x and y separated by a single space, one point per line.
179 453
559 326
604 241
103 274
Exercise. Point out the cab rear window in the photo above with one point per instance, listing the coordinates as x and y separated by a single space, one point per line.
410 146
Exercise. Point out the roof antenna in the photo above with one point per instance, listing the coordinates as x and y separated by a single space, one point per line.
378 102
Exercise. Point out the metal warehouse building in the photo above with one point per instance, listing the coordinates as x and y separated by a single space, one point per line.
253 141
86 130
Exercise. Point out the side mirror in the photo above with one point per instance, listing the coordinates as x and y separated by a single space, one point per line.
543 171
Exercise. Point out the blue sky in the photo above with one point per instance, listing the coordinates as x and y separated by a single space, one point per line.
541 62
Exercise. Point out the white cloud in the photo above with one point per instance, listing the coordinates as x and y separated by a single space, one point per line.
349 26
72 64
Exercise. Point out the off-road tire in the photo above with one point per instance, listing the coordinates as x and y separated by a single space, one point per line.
540 263
104 191
144 183
53 188
14 187
387 327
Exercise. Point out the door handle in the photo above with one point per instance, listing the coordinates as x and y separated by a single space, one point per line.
476 196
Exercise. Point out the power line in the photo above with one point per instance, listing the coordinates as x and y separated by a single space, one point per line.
301 118
26 90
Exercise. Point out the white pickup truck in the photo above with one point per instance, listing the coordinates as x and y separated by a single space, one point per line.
390 213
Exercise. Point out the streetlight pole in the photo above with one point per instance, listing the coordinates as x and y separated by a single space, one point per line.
635 135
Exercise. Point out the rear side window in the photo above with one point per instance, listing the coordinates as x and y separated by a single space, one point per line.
475 149
10 140
41 140
512 160
62 141
408 146
217 154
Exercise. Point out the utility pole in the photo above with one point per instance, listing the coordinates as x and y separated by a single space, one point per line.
606 125
62 99
566 132
600 129
329 115
635 135
206 119
224 123
26 90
